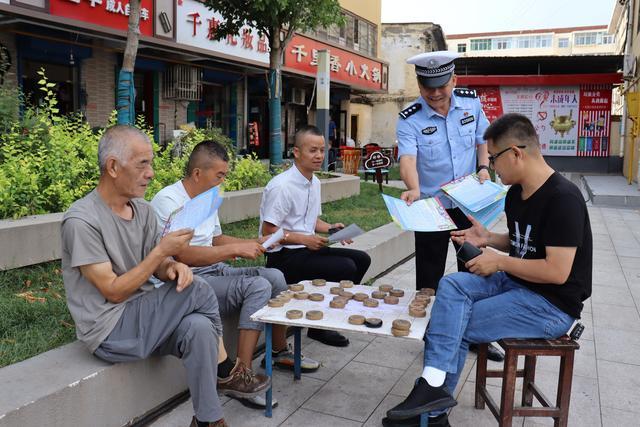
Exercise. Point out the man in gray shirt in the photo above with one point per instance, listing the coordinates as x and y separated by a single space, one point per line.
111 247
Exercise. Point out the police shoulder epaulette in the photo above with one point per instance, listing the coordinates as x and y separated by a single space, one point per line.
410 110
466 93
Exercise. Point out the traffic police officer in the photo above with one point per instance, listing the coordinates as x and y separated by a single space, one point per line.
440 138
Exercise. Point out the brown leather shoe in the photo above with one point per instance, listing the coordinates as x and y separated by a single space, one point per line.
220 423
242 382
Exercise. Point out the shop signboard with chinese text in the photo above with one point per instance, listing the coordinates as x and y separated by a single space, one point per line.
197 24
345 67
106 13
569 120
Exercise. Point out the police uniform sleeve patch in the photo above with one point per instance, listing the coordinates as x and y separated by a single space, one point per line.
410 110
465 93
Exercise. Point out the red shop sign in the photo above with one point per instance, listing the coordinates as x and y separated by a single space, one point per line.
346 67
106 13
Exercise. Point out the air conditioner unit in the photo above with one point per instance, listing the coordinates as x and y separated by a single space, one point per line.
183 83
297 96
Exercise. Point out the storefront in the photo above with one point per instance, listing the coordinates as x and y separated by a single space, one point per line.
182 75
571 112
350 73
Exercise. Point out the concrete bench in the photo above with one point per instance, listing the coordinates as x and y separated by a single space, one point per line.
68 386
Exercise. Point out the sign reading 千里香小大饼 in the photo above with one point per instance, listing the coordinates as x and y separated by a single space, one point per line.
346 67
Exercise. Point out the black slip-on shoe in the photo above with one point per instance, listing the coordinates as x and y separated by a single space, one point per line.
423 398
492 352
331 338
441 420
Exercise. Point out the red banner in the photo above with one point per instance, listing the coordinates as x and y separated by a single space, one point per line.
491 101
345 67
107 13
594 121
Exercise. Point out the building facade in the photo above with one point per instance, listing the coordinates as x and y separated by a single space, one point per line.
625 27
563 79
544 42
182 75
399 42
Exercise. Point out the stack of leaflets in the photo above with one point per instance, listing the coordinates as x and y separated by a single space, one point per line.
484 202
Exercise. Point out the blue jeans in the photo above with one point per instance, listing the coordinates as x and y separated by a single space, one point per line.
474 309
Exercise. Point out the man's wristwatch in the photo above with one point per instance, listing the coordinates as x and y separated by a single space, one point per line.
485 167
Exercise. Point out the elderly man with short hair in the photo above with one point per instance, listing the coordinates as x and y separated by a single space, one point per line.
111 247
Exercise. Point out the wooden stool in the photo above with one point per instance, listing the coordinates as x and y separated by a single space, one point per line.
530 349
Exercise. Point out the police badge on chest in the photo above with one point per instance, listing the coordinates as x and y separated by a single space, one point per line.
467 120
429 130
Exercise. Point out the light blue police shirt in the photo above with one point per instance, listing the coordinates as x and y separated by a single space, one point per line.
445 147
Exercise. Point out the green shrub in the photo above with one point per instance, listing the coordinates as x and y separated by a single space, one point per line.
170 162
246 172
47 160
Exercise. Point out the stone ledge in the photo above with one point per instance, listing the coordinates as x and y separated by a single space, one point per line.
36 239
69 386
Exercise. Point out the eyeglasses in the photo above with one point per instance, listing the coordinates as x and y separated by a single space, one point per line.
492 159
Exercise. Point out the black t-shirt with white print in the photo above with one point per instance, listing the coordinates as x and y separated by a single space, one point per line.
555 215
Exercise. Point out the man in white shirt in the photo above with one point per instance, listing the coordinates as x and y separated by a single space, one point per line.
238 289
291 201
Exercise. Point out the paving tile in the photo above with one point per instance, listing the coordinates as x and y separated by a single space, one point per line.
307 418
375 420
290 394
178 417
355 392
617 418
584 409
616 317
584 362
612 296
391 352
465 413
334 358
405 383
609 278
619 385
617 345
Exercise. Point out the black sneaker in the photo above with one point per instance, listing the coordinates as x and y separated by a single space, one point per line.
441 420
423 398
331 338
492 352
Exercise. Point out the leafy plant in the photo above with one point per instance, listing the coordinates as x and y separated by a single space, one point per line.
247 172
46 160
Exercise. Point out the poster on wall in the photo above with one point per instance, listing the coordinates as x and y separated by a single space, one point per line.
594 121
570 120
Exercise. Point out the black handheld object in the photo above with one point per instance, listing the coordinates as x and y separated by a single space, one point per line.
333 230
577 331
467 252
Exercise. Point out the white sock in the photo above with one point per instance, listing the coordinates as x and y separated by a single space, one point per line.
435 377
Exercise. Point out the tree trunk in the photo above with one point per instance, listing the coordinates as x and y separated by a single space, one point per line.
125 104
275 91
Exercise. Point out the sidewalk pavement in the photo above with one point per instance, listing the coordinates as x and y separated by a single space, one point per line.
356 385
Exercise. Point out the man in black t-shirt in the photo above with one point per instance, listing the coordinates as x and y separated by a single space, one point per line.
534 292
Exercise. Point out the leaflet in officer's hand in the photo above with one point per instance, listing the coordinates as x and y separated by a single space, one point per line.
195 211
470 193
347 233
421 215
